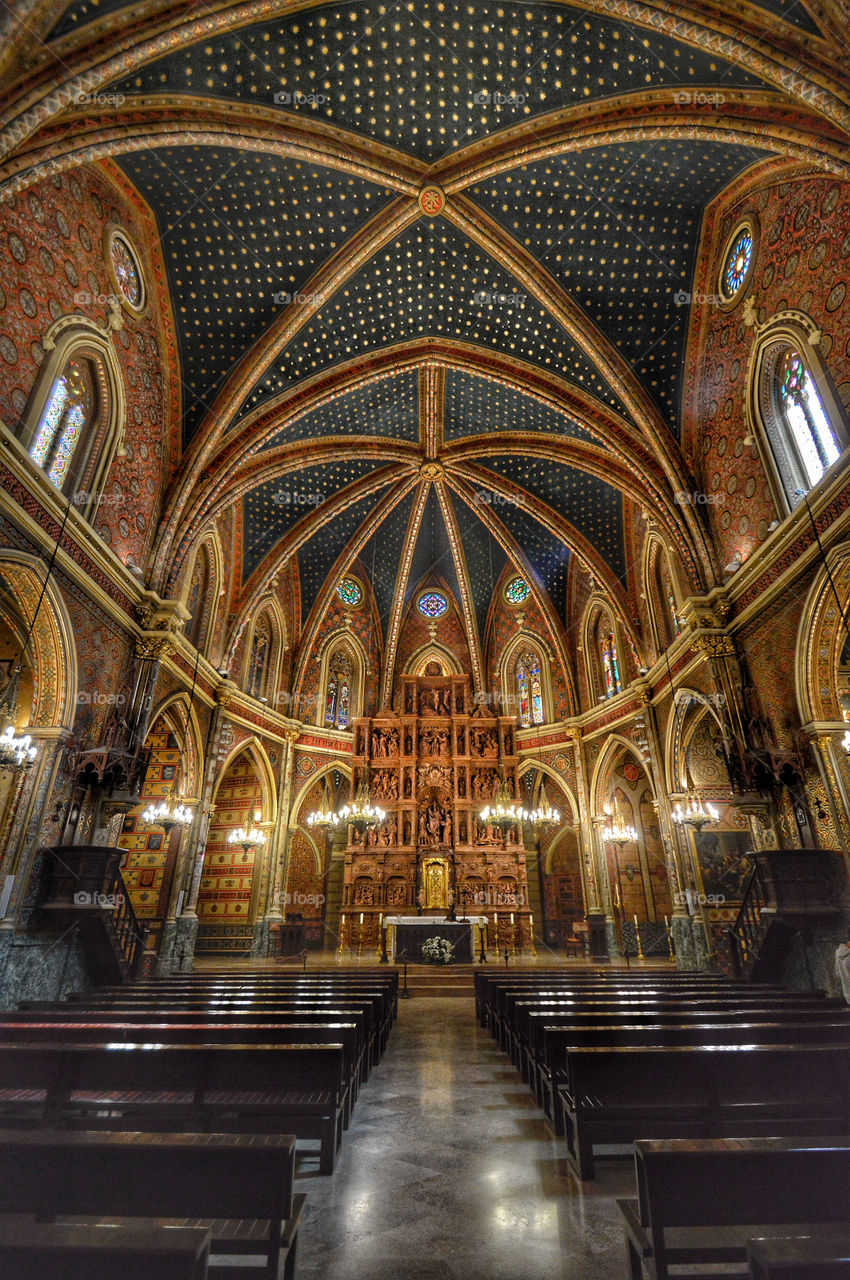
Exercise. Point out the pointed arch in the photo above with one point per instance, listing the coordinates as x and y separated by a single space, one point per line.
690 707
602 638
820 642
73 424
432 652
183 719
662 591
527 660
253 747
265 642
203 587
339 766
342 675
52 648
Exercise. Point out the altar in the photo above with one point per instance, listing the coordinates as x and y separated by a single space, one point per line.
409 932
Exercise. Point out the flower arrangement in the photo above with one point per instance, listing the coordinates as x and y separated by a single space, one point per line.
437 951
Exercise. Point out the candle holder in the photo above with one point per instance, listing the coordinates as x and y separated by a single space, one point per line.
360 940
341 952
384 958
482 955
640 954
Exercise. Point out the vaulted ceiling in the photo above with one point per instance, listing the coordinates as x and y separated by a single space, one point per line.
426 262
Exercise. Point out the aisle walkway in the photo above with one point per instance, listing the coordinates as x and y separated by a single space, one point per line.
447 1173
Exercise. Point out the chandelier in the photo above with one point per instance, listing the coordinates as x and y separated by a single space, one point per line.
168 814
616 830
16 750
505 812
247 839
324 818
695 813
361 813
543 816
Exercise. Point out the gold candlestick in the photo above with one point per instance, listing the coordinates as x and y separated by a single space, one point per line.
341 950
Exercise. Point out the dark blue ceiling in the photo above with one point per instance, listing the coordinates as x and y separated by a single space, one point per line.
548 556
476 405
793 11
432 282
618 228
386 407
432 554
241 232
485 560
273 508
381 557
430 76
592 506
317 555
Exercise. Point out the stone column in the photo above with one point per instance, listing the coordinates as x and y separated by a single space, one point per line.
587 844
280 865
180 931
606 893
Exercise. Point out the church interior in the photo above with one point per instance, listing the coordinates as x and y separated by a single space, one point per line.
425 638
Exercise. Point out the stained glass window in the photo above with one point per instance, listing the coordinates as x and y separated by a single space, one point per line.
738 262
517 591
536 693
610 664
330 701
350 592
260 653
66 415
338 695
522 687
433 604
530 690
126 270
805 417
674 617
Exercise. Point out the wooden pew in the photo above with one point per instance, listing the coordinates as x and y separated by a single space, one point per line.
224 1088
552 1070
237 1188
622 1094
361 1014
52 1251
724 1185
819 1256
102 1032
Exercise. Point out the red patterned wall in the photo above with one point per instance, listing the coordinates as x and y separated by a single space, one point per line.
802 262
51 253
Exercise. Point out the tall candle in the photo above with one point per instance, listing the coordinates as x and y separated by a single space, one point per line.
635 920
512 917
361 917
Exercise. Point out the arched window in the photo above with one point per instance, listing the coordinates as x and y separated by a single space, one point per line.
610 662
529 684
798 410
73 424
261 649
63 437
338 691
202 597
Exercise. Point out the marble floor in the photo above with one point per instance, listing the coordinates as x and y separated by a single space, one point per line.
447 1172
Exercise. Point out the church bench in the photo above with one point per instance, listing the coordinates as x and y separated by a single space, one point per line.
491 984
292 1088
551 1071
820 1255
258 1008
699 1202
239 1189
618 1095
508 1030
58 1251
99 1032
360 1014
380 1001
531 1022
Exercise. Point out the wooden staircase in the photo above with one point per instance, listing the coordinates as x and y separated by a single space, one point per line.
82 889
789 892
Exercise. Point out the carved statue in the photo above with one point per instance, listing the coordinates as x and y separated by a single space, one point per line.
447 828
443 707
461 742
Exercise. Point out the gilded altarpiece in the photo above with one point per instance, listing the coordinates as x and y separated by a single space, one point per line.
432 767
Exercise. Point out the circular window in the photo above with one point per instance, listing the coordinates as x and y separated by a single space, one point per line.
350 592
517 591
125 270
737 262
433 604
